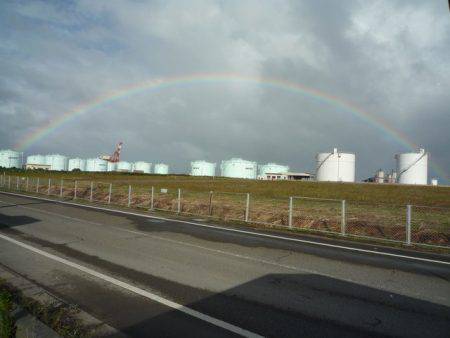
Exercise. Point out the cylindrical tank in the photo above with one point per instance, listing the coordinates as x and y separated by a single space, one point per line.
77 164
142 167
272 168
335 167
56 162
111 166
10 159
96 165
161 168
434 181
36 159
203 168
379 177
124 166
412 168
239 168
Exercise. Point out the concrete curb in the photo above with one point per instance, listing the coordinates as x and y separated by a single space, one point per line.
30 326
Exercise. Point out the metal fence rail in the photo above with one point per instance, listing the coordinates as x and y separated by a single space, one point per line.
407 224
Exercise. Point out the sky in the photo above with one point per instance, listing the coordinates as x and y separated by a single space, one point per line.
389 58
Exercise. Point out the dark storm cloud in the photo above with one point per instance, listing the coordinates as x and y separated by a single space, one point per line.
389 57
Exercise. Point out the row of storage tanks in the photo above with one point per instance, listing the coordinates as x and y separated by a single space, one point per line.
62 163
335 166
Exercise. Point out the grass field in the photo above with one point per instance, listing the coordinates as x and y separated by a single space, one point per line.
372 210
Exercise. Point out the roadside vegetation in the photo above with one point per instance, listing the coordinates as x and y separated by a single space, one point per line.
7 323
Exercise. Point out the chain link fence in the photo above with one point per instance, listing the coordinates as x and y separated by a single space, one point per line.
409 224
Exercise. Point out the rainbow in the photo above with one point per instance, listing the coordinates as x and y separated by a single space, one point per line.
214 78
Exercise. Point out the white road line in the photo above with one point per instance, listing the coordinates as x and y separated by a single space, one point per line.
343 247
139 291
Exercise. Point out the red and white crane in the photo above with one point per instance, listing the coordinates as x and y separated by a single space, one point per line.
115 157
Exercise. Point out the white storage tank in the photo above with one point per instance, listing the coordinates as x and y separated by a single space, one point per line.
77 164
56 162
124 166
96 165
111 166
239 168
36 159
335 167
142 167
161 168
10 159
272 168
412 168
203 168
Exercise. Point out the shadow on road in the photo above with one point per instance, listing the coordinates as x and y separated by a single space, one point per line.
7 221
19 204
294 305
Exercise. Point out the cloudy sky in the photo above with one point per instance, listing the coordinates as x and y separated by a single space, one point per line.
390 58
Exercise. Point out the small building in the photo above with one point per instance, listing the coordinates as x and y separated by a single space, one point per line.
286 176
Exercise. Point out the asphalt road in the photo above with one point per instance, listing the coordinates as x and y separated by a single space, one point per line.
162 278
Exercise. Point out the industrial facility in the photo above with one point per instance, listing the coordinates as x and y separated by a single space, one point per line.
203 168
335 167
239 168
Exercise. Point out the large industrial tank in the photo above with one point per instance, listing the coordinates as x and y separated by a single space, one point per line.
412 168
203 168
36 159
272 168
111 166
239 168
335 167
77 163
10 159
124 166
161 168
56 162
96 165
142 167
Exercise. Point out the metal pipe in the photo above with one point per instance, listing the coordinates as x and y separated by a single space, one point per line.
343 219
179 201
129 195
408 224
247 208
291 206
49 185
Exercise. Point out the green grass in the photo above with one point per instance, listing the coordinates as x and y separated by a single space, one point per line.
357 192
7 323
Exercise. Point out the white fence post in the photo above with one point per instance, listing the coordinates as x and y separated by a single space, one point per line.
343 219
179 201
152 198
61 189
9 182
129 195
49 185
408 224
247 208
37 186
17 183
210 203
291 207
92 192
26 186
75 190
109 193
